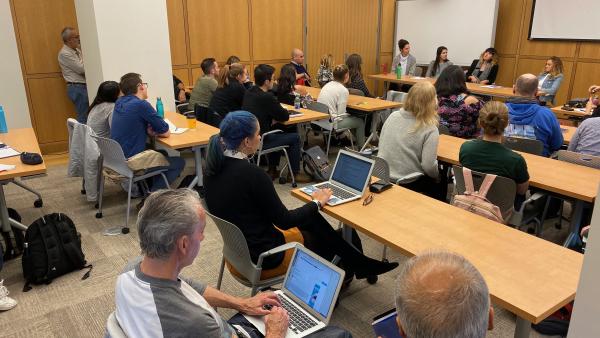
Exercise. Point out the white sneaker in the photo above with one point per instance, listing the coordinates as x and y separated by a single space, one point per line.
6 303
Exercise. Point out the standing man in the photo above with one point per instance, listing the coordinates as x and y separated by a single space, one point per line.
70 60
302 77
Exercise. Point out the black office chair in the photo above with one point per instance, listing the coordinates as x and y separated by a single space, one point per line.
208 116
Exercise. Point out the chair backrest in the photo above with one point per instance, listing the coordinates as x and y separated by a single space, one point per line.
579 158
357 92
317 106
113 156
443 129
235 249
71 122
502 193
113 329
208 116
183 108
525 145
396 96
418 71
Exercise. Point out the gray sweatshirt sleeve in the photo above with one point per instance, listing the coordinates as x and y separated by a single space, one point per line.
429 155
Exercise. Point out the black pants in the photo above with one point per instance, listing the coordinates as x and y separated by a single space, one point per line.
327 332
429 187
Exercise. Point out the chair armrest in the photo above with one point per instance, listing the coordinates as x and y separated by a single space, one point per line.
409 178
281 248
533 198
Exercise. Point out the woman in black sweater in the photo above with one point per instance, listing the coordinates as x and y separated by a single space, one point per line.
286 90
243 194
230 90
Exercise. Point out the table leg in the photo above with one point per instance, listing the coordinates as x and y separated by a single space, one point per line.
373 134
198 161
575 225
523 328
4 210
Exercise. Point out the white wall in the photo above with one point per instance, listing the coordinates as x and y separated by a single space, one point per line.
13 98
118 37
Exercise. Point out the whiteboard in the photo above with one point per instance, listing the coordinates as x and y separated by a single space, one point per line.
466 27
551 19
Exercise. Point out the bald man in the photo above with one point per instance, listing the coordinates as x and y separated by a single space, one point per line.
441 294
302 77
529 119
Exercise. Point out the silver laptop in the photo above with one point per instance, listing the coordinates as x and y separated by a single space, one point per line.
349 178
309 292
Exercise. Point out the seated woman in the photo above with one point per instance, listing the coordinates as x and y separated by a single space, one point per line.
488 155
586 139
325 73
100 111
243 194
550 80
354 62
286 90
441 62
485 69
229 95
409 140
457 109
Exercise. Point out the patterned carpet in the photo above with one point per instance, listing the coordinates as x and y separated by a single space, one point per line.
70 307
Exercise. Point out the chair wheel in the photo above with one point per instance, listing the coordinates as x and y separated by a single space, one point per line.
385 260
372 279
282 180
98 215
38 203
83 191
294 185
125 231
97 205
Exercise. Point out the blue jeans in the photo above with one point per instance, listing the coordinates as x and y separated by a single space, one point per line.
284 139
176 165
327 332
79 95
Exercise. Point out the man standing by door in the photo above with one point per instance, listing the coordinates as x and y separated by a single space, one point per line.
71 65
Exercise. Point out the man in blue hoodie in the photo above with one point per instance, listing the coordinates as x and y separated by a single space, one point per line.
529 119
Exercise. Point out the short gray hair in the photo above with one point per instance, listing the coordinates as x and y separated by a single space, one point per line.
441 294
527 85
165 217
66 33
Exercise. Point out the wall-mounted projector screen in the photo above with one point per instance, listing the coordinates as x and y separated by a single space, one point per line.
428 24
565 20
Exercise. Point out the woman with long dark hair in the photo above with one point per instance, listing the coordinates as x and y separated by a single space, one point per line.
100 111
354 63
286 90
441 62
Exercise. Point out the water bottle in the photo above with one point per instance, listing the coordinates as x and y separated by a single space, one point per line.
297 102
160 109
399 71
3 126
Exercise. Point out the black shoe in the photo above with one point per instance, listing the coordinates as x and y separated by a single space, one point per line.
374 268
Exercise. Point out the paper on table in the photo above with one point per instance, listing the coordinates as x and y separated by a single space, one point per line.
8 152
174 129
491 86
4 167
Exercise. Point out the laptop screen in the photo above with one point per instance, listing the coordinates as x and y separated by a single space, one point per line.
313 282
351 171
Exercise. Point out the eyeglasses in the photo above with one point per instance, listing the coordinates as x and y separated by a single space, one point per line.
368 200
145 84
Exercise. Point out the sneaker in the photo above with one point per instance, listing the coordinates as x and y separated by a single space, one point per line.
6 303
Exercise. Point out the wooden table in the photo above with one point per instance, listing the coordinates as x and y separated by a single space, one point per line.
574 115
568 132
526 275
474 88
23 140
307 116
362 103
196 139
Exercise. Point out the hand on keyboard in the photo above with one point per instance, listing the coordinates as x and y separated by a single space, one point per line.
276 322
260 304
322 195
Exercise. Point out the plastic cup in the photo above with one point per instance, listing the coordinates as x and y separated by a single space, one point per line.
191 121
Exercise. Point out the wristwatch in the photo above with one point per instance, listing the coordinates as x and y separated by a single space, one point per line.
319 205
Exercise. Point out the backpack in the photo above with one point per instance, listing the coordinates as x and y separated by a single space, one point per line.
476 201
13 239
316 164
52 249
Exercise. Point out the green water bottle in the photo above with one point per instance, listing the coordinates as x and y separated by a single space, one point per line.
398 71
160 109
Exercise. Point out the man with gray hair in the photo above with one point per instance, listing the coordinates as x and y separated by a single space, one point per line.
441 294
530 120
70 60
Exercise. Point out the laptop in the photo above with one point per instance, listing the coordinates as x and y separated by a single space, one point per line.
349 179
309 292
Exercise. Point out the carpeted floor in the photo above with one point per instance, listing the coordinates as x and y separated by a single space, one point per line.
70 307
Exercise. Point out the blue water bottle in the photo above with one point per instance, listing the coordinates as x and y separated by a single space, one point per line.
160 109
3 126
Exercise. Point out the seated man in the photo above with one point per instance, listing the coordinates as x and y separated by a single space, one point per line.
134 119
302 77
441 294
529 119
206 85
153 300
261 102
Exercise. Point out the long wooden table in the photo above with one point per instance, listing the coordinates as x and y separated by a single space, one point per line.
571 115
568 132
362 103
526 275
22 140
307 116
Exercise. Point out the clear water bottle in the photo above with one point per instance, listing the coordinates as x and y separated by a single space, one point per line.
297 102
3 125
160 109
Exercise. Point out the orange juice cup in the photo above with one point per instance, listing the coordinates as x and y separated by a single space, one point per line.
191 121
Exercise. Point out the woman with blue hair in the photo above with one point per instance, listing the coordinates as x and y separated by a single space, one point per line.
243 194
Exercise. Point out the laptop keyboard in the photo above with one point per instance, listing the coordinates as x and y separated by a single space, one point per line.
337 192
299 321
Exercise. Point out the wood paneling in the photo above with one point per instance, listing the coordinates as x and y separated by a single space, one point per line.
197 73
51 107
508 25
183 75
507 67
219 29
176 18
535 66
388 19
276 28
589 50
587 74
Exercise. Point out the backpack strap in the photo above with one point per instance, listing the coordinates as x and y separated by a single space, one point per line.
488 180
468 177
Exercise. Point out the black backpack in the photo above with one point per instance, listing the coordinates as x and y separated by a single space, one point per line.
316 164
52 249
13 239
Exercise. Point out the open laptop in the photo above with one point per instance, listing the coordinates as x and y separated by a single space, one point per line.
349 178
309 292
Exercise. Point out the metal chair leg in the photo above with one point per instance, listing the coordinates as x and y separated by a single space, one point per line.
165 179
221 270
100 197
328 142
289 165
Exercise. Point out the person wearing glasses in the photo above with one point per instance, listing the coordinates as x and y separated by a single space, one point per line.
134 119
70 60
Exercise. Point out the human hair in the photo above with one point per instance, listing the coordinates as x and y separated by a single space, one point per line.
451 82
232 59
438 58
493 118
167 215
421 102
235 127
557 66
129 83
441 294
108 91
402 43
494 53
229 73
354 62
326 61
339 72
65 34
207 65
287 79
527 85
263 73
